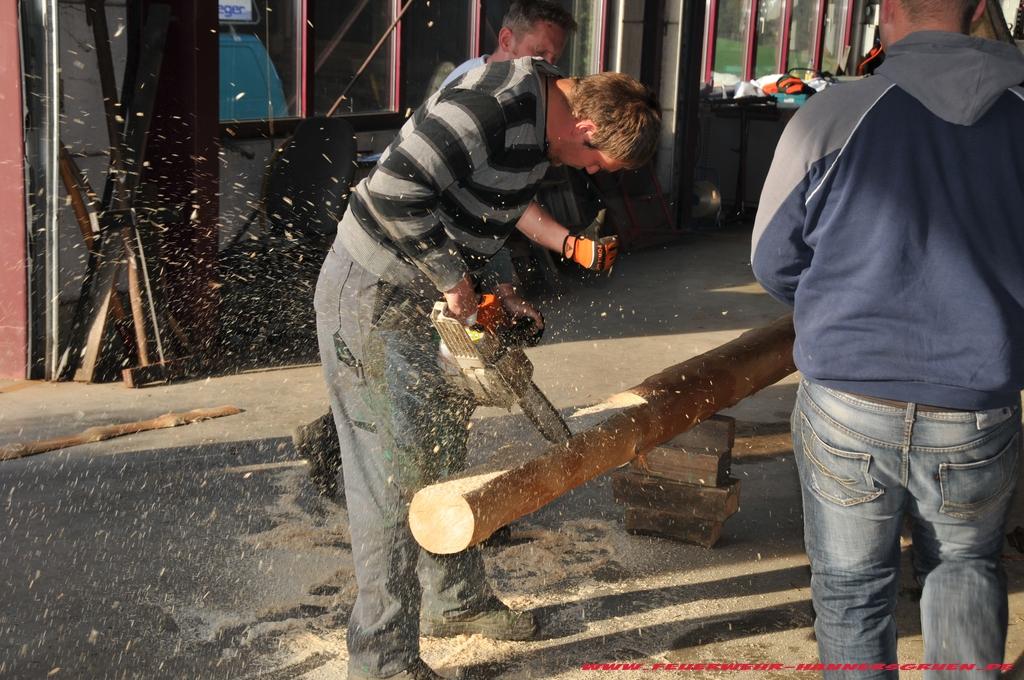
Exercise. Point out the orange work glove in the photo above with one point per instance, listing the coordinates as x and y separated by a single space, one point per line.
597 255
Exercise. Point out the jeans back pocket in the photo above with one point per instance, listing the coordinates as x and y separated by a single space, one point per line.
838 476
973 488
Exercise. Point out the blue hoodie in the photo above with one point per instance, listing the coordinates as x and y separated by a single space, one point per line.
893 221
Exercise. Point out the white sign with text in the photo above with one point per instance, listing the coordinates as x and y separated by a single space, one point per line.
235 10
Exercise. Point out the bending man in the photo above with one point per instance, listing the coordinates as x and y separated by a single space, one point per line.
438 206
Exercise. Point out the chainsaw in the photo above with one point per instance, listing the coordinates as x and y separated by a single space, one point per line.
487 360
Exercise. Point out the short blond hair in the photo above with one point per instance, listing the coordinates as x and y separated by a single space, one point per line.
625 111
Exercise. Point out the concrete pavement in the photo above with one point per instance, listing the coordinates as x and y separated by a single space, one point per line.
202 551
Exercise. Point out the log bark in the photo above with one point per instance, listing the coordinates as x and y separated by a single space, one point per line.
458 513
102 432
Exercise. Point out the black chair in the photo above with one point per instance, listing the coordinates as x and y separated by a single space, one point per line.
269 274
309 179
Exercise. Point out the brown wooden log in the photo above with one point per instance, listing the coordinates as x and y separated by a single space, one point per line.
455 514
716 434
102 432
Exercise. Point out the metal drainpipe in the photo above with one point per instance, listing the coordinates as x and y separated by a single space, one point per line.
40 62
691 46
52 153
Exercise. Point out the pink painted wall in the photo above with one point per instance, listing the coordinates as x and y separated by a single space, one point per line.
13 258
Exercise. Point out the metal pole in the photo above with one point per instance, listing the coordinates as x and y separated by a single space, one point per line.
52 205
684 163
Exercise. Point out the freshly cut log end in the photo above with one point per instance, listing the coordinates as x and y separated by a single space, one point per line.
442 523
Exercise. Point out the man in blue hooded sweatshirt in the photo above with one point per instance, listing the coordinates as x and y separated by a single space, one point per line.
893 222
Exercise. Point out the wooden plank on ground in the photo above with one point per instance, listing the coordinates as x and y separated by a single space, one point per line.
103 432
704 469
164 371
655 493
714 435
703 532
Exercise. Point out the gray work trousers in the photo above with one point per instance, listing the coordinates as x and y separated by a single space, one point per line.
401 425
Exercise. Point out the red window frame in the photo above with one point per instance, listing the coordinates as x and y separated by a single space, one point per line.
389 118
782 58
819 37
710 33
750 57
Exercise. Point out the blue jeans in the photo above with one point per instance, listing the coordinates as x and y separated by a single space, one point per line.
863 465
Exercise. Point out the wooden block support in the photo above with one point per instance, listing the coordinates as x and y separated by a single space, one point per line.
701 469
687 500
702 455
717 434
702 532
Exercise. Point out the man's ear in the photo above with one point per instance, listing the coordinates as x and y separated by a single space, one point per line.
584 128
506 39
885 11
979 11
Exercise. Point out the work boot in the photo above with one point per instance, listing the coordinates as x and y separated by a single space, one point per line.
417 671
317 442
495 621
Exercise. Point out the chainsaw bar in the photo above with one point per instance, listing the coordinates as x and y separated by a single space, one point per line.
497 374
542 413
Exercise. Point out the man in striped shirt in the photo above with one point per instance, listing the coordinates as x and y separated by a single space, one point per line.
425 223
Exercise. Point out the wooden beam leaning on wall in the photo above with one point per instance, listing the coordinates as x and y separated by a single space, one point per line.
121 237
458 513
86 207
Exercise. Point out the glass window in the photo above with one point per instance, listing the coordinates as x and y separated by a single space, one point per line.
435 39
770 14
259 75
1010 13
803 27
833 48
730 41
582 54
346 32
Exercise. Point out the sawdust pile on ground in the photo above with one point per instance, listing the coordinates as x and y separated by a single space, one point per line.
538 567
541 560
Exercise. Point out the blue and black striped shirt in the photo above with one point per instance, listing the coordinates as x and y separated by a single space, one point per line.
451 186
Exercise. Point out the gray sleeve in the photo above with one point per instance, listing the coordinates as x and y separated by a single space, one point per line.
805 157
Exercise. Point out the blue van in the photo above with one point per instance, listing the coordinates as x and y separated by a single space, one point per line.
250 88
